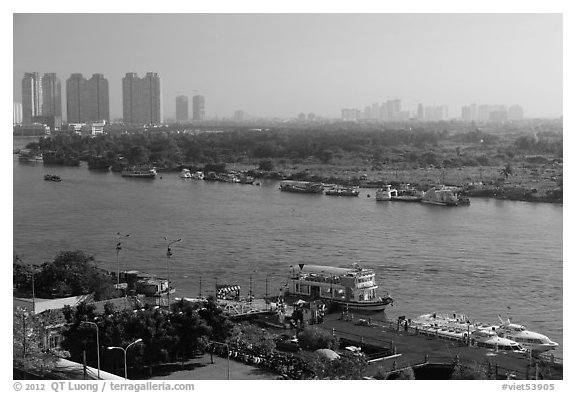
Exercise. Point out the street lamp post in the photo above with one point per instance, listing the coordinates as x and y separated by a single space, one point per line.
168 255
124 350
227 354
118 248
97 343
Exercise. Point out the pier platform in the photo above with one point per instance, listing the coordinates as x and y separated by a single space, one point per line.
408 348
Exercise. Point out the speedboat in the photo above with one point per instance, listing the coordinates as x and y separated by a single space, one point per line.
489 339
533 341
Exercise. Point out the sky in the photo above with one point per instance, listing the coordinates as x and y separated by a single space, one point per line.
278 65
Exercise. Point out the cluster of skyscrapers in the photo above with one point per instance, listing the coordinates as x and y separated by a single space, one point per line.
198 113
88 100
492 113
391 110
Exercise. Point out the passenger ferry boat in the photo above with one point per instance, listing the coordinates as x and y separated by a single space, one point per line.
353 288
301 186
139 171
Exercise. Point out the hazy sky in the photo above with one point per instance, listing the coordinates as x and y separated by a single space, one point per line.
283 64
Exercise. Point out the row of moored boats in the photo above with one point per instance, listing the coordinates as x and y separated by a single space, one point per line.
503 336
228 177
439 195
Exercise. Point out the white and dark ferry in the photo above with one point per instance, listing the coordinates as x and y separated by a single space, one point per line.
352 288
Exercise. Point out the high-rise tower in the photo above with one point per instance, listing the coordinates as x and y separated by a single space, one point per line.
76 99
142 99
181 108
31 96
97 99
198 113
51 95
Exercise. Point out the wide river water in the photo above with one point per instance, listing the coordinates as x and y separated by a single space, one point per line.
492 257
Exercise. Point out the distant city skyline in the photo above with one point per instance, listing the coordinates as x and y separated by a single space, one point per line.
261 65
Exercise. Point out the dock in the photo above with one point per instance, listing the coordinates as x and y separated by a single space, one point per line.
407 347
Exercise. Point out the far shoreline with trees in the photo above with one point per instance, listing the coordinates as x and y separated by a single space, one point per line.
520 162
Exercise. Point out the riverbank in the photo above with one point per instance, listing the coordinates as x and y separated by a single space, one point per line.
527 182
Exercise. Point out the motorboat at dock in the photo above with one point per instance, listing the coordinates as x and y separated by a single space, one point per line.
301 186
343 191
352 288
535 342
185 174
386 193
407 194
445 196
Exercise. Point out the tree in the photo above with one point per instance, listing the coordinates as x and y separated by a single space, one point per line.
265 165
347 366
507 170
28 351
217 320
313 338
73 273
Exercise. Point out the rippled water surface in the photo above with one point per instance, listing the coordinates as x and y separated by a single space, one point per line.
492 257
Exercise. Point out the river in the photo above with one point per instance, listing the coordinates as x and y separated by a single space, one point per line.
492 257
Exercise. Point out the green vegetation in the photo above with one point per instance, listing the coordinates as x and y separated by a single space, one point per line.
72 273
166 337
312 338
28 350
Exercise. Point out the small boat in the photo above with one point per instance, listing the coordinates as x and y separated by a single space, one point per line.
198 175
445 196
351 288
408 194
29 155
301 187
386 193
245 179
144 172
211 176
50 177
185 174
343 191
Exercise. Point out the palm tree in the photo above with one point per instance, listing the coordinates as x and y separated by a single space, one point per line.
506 171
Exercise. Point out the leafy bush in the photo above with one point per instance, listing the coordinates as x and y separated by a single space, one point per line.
312 338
